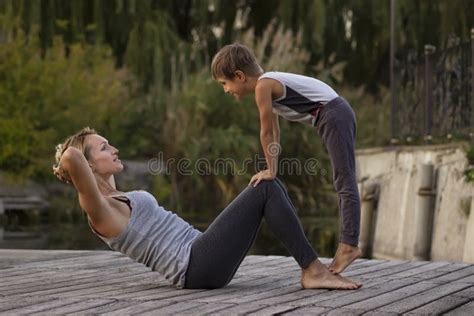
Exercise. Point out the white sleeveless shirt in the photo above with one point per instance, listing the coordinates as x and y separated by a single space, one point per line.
302 96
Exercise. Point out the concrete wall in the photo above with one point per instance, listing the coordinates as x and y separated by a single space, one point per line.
396 173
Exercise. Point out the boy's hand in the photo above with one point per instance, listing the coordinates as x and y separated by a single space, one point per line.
262 175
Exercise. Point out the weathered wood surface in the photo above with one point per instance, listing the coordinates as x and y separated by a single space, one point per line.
105 282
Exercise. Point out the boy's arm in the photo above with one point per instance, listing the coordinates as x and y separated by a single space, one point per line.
76 166
276 129
263 98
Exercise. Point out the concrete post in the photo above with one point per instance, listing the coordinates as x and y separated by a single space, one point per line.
368 206
424 213
2 218
468 254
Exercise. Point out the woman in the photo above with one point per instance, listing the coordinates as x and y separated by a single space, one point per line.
134 224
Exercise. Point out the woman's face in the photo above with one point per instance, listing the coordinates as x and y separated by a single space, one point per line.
103 157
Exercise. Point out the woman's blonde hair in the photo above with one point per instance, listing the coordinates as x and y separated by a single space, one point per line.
76 140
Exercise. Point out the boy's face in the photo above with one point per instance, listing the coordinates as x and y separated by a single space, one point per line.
236 86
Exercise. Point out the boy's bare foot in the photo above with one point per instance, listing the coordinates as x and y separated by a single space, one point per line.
345 255
317 276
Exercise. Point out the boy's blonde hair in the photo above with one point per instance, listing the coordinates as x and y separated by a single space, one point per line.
76 140
233 57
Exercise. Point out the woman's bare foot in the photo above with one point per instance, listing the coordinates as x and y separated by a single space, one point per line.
317 276
345 255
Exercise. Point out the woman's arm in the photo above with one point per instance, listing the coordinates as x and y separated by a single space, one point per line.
75 168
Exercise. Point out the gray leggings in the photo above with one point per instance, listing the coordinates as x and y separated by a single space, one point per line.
219 251
337 127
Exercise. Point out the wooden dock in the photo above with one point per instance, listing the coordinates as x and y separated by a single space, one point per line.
105 282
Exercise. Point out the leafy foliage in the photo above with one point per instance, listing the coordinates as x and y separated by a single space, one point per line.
45 98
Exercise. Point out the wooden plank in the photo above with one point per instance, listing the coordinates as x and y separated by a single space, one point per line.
70 260
309 297
375 301
254 309
289 298
64 275
423 298
389 272
130 290
421 269
340 298
290 310
137 307
171 292
456 265
108 282
91 264
176 307
205 309
205 295
6 305
468 292
439 306
236 296
106 308
419 273
456 275
92 289
366 270
209 295
380 313
26 278
269 293
44 306
437 272
463 310
345 311
364 263
9 257
81 306
468 279
45 277
70 285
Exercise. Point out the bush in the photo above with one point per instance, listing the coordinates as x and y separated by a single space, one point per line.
45 98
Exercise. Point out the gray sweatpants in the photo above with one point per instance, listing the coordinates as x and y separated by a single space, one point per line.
336 125
219 251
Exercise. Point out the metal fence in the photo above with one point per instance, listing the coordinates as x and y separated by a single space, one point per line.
434 94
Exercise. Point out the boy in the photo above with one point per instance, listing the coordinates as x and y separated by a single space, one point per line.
306 100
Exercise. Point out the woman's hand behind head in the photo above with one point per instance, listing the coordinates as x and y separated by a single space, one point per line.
61 174
60 169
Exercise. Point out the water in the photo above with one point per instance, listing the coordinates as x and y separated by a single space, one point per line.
68 229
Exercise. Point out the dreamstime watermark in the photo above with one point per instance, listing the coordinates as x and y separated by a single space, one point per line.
229 166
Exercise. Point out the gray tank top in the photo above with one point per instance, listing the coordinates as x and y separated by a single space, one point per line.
155 237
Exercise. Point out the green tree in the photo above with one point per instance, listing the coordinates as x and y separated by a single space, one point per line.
44 98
